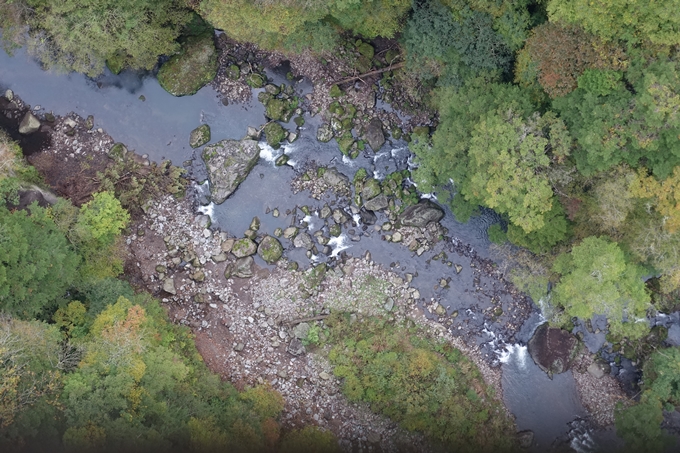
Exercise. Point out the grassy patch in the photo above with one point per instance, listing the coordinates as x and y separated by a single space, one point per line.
423 385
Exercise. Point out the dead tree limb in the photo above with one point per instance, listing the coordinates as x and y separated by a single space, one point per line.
370 73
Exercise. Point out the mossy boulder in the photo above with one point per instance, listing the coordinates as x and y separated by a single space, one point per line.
233 72
195 66
275 134
365 49
345 143
277 109
371 189
335 91
228 163
244 247
270 249
324 133
255 80
199 136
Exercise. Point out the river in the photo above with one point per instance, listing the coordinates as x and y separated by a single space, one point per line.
135 110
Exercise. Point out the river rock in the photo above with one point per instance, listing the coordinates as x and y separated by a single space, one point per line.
296 347
371 189
335 179
419 215
290 232
553 349
377 203
525 439
595 370
324 133
270 249
199 136
195 66
29 124
242 268
169 286
301 331
374 134
303 240
281 160
367 217
244 247
228 163
339 216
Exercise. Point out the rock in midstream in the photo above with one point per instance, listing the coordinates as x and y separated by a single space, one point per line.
228 163
419 215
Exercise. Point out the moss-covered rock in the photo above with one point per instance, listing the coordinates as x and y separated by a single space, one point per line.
199 136
270 249
276 109
299 121
233 72
345 143
335 91
255 80
365 49
275 134
244 247
370 189
195 66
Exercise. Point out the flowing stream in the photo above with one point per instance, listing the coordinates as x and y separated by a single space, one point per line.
135 110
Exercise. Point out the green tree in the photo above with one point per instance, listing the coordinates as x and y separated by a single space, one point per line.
459 112
37 264
597 279
640 425
631 20
556 56
507 162
297 24
32 360
613 124
101 220
453 45
82 35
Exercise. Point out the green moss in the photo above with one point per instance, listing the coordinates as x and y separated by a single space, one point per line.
345 143
299 121
233 72
275 134
276 109
365 49
335 92
255 80
195 66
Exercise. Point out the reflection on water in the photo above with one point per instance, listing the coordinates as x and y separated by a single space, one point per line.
132 107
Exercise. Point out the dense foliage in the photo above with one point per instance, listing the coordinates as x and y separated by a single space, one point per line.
425 386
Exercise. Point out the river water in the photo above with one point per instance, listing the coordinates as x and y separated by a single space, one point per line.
135 110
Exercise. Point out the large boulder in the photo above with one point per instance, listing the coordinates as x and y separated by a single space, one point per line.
29 124
195 66
374 134
241 268
304 241
553 349
334 178
244 247
228 163
377 203
419 215
270 249
324 133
